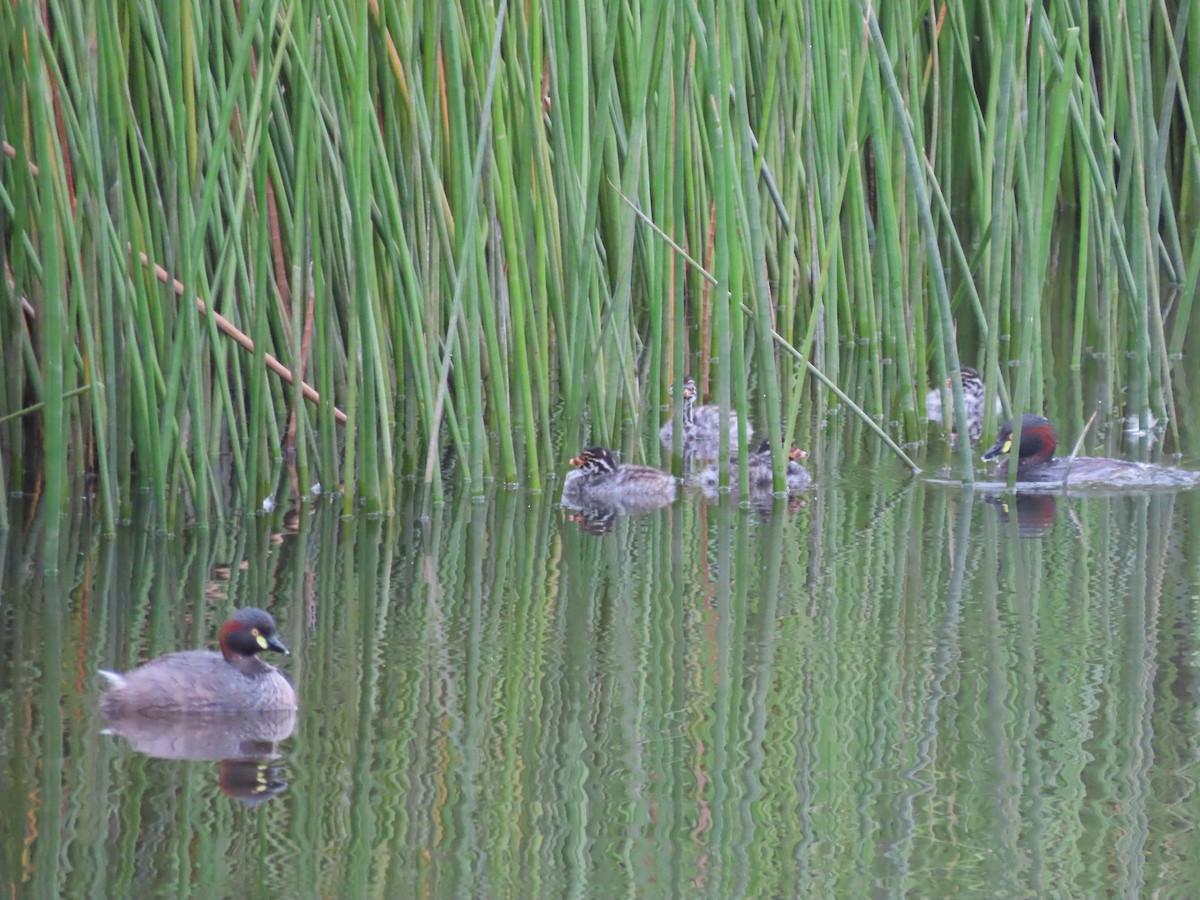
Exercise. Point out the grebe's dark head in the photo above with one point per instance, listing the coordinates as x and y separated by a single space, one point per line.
249 631
1038 441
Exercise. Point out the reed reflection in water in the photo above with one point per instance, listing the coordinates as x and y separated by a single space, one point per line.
888 688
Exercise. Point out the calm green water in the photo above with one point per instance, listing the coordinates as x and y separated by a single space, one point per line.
891 689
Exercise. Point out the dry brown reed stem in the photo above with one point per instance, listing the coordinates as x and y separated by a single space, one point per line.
231 330
223 324
11 152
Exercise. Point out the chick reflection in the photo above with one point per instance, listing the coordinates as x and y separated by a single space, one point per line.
595 520
1035 512
762 504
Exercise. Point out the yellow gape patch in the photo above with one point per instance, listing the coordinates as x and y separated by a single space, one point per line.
1007 446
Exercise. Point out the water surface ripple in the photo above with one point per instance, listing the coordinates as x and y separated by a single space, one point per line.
886 689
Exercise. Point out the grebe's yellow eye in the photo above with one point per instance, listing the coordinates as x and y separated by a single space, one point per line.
254 631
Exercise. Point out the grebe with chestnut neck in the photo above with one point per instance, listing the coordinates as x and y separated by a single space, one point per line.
1036 463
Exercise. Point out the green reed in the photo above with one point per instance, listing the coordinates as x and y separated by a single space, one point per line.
437 219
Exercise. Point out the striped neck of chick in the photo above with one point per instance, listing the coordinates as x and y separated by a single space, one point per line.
596 461
689 402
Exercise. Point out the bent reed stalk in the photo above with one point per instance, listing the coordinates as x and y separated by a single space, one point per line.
418 211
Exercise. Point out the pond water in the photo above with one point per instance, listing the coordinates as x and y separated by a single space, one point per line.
890 687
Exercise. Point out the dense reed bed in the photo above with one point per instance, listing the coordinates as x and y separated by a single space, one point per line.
457 227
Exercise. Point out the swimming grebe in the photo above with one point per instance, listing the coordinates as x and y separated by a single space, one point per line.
597 481
1036 462
974 397
204 681
701 426
758 470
